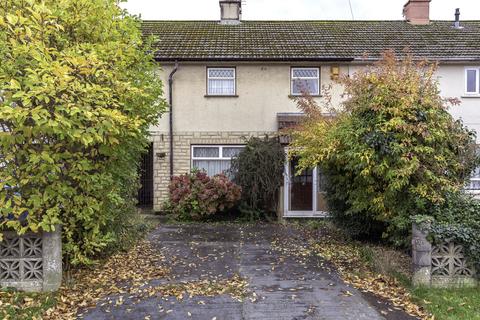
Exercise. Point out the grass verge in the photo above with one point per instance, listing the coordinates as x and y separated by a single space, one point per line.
25 306
450 304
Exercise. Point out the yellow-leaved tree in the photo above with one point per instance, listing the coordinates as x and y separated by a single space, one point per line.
78 92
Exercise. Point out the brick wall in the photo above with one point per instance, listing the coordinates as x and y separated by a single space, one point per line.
182 142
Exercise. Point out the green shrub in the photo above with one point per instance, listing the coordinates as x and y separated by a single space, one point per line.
196 196
78 94
258 169
392 150
458 220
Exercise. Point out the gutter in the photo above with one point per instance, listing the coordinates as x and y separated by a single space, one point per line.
253 59
313 59
170 102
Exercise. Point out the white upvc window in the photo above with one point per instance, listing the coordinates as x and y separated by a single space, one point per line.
221 81
472 81
474 182
214 159
305 80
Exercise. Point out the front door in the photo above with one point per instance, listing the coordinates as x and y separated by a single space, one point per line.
300 188
305 193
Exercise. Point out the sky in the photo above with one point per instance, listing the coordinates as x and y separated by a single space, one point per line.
298 9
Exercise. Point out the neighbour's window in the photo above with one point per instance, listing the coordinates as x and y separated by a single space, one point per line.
221 81
472 81
214 159
305 80
474 183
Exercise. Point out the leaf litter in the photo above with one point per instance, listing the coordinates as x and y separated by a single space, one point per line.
346 259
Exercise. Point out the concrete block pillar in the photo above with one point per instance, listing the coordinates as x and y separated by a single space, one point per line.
52 260
422 257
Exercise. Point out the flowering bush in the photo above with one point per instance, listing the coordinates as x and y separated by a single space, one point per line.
196 195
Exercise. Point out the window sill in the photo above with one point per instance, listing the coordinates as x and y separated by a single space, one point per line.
221 96
466 96
291 96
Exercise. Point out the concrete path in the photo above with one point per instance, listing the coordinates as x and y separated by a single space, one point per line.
283 286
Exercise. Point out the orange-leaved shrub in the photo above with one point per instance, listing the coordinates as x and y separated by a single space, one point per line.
194 196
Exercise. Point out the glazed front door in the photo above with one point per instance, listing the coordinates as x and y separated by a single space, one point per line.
304 192
300 188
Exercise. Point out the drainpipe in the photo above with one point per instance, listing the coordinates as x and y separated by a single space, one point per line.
170 101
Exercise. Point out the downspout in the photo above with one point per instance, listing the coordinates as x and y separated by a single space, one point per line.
170 101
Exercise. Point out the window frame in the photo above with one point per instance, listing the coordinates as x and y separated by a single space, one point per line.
473 178
292 69
477 82
207 75
220 150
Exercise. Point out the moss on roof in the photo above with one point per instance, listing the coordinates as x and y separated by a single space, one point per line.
311 40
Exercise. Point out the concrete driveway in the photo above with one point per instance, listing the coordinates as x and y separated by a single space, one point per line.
282 285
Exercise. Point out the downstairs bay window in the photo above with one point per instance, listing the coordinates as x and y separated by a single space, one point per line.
214 159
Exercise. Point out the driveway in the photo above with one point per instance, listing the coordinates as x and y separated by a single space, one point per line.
282 285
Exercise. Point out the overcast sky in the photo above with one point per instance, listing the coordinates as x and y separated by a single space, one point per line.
298 9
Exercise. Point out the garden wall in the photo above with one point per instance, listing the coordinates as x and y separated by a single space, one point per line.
31 262
443 265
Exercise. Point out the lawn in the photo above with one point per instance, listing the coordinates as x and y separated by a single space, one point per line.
25 306
450 304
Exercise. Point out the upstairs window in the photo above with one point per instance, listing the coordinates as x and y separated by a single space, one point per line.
221 81
214 159
305 80
472 81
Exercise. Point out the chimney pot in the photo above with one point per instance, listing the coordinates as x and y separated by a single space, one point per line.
417 11
457 19
230 11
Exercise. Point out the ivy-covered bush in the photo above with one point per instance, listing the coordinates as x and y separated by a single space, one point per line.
457 220
391 151
258 169
78 92
196 196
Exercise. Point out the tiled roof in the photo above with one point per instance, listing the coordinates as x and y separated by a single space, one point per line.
311 40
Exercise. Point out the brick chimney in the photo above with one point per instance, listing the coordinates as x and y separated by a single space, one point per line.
230 11
417 11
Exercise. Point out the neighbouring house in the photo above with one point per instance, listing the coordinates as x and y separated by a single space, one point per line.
230 79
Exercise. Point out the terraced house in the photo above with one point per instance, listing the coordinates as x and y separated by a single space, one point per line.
230 79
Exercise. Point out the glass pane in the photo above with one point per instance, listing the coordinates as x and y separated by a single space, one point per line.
212 167
322 187
221 73
206 152
474 183
301 86
305 73
231 152
301 189
321 193
471 80
221 87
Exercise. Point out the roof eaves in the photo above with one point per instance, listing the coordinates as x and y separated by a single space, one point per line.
263 59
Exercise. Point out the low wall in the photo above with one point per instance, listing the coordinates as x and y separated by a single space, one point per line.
31 262
443 265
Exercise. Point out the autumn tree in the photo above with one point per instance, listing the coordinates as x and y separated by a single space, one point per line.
390 151
78 93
